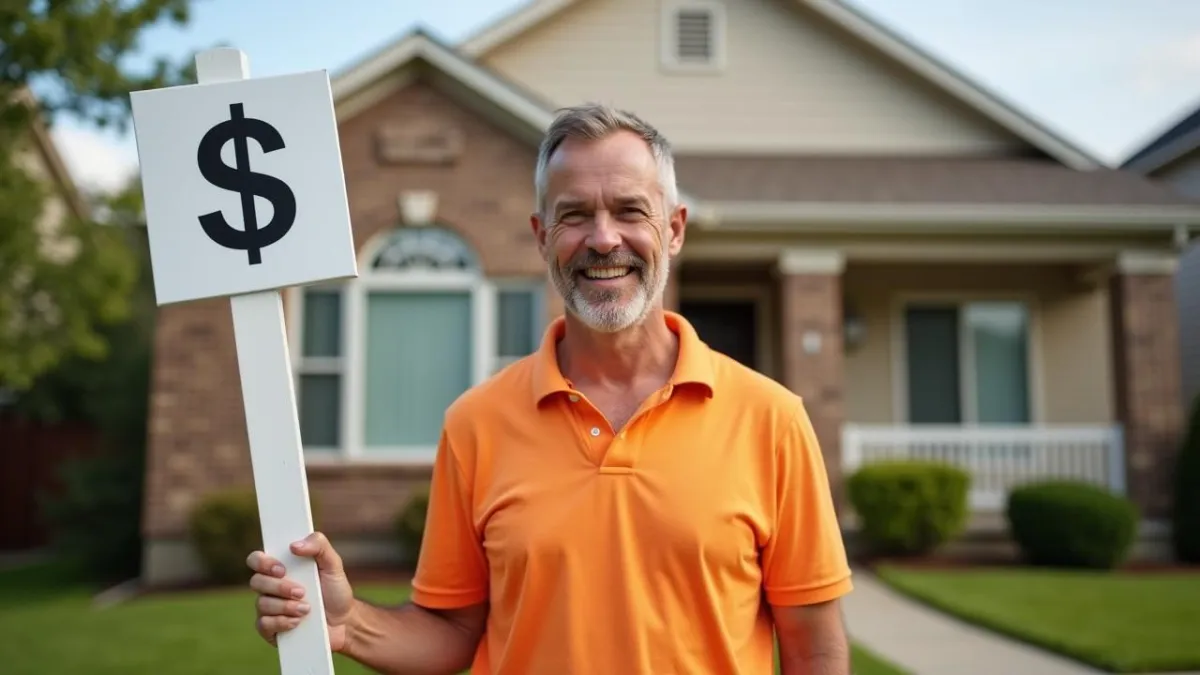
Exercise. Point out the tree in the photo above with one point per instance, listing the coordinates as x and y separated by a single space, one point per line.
64 278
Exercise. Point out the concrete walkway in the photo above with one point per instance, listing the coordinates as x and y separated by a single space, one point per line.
927 642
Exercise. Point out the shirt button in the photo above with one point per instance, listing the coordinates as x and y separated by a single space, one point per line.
574 398
595 431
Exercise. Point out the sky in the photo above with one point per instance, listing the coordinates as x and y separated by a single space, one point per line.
1108 75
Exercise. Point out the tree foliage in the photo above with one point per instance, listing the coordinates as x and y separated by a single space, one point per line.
63 277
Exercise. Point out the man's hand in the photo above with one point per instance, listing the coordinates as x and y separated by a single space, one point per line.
812 639
281 604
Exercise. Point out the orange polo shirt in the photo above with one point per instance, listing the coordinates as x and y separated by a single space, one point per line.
647 551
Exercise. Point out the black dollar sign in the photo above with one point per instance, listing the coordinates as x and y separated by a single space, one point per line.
239 178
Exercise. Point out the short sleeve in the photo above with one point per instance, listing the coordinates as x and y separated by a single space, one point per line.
452 570
805 559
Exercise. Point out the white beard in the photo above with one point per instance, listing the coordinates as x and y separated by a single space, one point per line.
607 314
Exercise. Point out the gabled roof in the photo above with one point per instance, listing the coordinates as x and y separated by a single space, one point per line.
48 150
1179 139
419 44
860 26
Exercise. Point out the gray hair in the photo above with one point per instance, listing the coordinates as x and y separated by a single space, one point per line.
593 121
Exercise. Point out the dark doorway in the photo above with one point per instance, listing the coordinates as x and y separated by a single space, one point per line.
728 326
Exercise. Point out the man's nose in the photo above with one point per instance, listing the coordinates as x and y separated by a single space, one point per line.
604 236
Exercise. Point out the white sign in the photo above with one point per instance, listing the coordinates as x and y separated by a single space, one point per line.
244 195
243 186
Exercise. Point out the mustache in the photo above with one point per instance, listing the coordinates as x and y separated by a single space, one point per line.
614 259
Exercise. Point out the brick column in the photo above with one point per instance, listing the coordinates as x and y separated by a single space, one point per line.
811 324
1147 376
671 292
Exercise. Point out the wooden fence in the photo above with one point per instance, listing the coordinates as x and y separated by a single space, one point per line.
31 455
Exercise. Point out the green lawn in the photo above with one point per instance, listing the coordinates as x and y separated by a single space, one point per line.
1119 622
47 625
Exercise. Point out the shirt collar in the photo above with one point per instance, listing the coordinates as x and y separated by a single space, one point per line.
694 365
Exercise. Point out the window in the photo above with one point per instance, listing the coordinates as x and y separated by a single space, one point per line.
693 35
967 363
381 357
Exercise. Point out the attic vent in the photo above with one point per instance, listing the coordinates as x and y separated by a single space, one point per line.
693 34
694 39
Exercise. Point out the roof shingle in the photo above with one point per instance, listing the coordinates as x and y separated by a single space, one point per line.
915 180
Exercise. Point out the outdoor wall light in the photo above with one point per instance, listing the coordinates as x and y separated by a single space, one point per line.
854 328
417 207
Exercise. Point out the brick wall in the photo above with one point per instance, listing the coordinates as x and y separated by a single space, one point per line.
197 432
812 303
1147 373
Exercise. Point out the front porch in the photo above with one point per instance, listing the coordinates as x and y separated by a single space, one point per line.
998 457
1017 371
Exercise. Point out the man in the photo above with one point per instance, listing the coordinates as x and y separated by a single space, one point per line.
624 501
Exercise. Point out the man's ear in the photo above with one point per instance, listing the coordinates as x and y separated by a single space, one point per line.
678 226
539 232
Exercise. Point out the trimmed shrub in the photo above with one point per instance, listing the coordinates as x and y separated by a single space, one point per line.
1185 509
224 529
410 525
909 507
94 520
1071 524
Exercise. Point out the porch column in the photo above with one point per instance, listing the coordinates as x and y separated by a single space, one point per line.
811 325
671 292
1147 376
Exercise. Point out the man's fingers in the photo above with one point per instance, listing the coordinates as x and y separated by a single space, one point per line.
317 546
280 588
271 626
272 606
264 564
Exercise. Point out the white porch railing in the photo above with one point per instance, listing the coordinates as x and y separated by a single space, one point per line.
997 458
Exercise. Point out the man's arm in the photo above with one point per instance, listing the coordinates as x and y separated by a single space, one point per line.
413 640
805 566
812 639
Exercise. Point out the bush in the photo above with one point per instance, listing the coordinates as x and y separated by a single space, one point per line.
1071 524
224 529
1185 510
410 525
94 520
909 507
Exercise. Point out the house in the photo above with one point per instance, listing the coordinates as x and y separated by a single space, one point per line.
1174 158
934 271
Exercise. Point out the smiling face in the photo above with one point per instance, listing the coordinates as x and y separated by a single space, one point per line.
605 231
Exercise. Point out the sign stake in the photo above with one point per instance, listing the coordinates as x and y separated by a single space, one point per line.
273 431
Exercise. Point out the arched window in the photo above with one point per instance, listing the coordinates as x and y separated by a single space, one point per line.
380 357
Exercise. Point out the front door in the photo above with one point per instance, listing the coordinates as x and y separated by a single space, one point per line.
728 326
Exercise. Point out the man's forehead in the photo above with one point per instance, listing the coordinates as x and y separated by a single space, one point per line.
632 197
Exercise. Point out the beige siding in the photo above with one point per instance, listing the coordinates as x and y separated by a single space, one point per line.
1071 379
790 83
1184 174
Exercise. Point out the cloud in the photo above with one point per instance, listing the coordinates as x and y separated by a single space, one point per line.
98 162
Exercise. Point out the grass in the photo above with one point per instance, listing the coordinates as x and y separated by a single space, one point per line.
49 626
1118 622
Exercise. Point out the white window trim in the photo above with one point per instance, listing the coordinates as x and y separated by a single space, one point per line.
899 342
535 286
668 39
352 363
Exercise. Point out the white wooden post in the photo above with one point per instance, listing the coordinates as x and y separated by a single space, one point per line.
273 430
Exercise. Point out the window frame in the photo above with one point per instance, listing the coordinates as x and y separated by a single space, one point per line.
668 37
351 365
966 387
